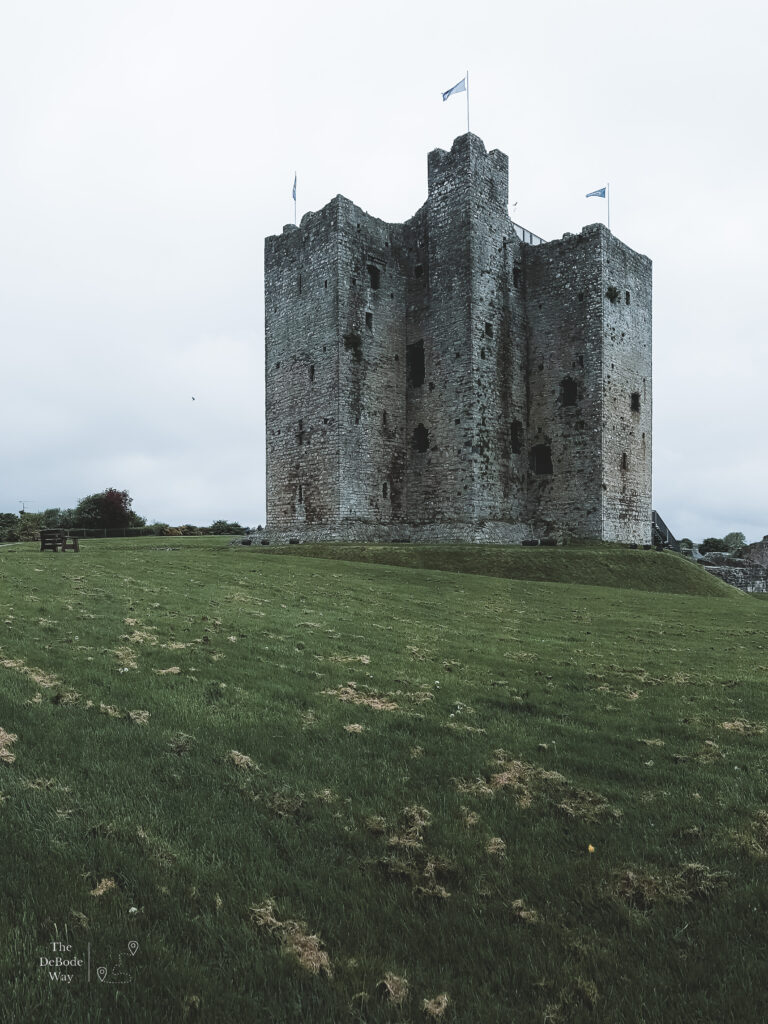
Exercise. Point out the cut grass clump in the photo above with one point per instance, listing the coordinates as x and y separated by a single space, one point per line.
693 881
295 939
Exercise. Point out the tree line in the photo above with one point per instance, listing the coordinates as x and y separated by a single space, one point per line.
107 512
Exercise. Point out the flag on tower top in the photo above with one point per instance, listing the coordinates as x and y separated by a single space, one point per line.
459 87
600 193
294 185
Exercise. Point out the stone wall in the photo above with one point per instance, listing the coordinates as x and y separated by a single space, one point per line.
758 552
752 579
440 377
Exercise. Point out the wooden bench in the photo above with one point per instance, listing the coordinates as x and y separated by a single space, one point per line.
57 540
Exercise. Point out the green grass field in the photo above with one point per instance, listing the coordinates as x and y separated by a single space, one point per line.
329 790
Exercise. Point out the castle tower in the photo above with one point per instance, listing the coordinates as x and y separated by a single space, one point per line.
443 380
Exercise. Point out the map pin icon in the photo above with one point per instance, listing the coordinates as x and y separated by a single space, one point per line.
132 947
102 973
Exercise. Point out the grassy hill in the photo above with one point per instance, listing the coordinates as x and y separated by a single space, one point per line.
604 565
332 791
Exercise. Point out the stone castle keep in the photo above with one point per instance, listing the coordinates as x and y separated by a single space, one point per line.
443 379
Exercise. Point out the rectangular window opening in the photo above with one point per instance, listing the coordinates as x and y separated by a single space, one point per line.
415 364
369 321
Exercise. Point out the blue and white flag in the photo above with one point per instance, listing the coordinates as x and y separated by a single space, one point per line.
600 193
294 186
459 87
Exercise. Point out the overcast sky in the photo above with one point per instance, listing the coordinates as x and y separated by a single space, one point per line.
149 146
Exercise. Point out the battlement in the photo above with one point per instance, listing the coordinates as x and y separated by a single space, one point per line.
443 379
469 165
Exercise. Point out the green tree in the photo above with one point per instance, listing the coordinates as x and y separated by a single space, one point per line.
30 524
9 526
221 526
734 541
712 544
108 510
52 518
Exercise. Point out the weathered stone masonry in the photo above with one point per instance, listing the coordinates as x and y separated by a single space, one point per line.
443 380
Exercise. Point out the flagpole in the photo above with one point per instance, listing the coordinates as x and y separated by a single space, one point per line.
608 194
467 101
295 181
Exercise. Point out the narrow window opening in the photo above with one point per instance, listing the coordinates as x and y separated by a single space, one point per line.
300 435
391 295
489 330
418 270
277 366
369 321
354 343
415 364
354 280
482 353
457 421
420 440
325 284
397 359
626 297
385 490
581 296
357 420
516 275
384 417
624 461
375 275
635 401
301 495
323 348
516 436
540 459
569 391
299 284
312 372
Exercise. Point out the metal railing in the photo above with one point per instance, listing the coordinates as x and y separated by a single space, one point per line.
661 532
527 236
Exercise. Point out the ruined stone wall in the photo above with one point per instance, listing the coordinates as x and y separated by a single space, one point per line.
758 552
563 289
372 301
751 579
589 313
627 397
498 351
301 355
438 380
